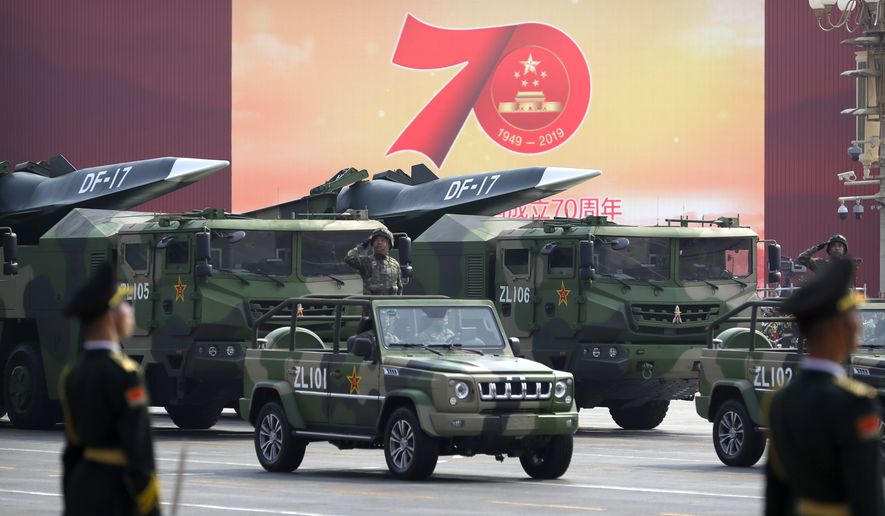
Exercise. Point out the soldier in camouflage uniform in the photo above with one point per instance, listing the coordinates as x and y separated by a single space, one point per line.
824 456
109 457
380 272
436 332
836 246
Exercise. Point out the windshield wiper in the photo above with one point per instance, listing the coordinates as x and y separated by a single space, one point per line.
741 283
340 282
268 276
714 286
619 280
459 346
655 286
235 275
422 346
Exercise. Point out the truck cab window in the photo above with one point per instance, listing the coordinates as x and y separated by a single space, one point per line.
517 261
136 256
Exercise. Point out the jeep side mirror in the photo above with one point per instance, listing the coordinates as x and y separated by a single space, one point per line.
586 250
514 346
203 254
363 347
774 263
404 245
10 249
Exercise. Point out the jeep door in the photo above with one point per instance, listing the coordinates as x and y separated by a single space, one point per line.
355 396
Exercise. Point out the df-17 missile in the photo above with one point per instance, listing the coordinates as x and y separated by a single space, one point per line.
34 196
413 203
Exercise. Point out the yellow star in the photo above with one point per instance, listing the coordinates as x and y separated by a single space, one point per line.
563 294
354 380
530 65
179 290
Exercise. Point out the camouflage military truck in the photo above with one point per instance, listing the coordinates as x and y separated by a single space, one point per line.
737 371
199 281
622 308
422 377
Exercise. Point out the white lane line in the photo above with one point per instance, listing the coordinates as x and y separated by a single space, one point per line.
644 490
194 505
189 461
665 459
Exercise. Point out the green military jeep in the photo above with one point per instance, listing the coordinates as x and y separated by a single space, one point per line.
738 370
422 376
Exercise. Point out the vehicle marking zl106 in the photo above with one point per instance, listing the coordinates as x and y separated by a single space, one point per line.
511 294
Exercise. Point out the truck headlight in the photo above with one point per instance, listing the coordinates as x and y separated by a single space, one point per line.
462 390
560 389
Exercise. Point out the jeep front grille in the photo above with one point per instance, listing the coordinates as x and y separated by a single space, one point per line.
515 389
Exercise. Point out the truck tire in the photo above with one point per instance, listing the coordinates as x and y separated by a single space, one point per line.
549 462
277 449
410 453
641 417
24 390
736 439
194 417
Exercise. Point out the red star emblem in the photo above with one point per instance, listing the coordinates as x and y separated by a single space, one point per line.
179 290
563 294
354 380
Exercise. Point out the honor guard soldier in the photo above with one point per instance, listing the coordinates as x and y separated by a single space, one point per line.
836 246
823 456
109 457
381 273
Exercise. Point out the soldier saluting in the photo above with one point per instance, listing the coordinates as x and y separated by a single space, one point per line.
823 456
381 273
109 457
836 246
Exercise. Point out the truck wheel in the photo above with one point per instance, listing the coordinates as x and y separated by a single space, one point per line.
735 437
551 461
410 453
277 449
24 390
641 417
194 417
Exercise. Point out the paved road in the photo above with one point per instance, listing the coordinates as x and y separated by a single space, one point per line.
668 471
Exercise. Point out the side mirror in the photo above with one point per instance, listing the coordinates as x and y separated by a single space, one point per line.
203 254
774 263
621 243
10 250
404 245
363 347
514 346
586 248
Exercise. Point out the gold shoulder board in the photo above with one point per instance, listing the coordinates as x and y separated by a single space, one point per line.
125 362
855 387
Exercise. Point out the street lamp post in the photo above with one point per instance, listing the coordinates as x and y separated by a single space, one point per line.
864 17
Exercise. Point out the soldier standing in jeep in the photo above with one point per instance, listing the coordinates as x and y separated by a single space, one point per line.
823 457
836 246
380 272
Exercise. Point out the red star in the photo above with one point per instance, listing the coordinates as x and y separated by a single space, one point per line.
179 290
354 380
563 294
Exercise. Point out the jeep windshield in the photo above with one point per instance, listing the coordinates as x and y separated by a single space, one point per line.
633 258
872 327
705 259
453 327
266 253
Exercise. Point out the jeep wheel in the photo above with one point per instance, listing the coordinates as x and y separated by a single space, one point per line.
641 417
277 449
736 439
551 461
410 453
194 417
24 390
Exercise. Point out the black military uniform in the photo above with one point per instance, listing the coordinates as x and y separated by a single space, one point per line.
108 458
824 449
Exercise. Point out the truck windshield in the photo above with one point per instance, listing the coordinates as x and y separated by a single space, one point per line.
714 258
259 252
472 327
633 258
322 253
872 324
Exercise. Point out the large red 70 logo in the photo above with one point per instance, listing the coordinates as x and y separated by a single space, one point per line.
527 84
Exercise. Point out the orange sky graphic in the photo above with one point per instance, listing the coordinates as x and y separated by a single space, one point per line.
676 118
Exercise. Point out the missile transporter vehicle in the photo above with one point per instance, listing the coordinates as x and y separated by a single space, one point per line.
199 280
741 365
622 308
419 377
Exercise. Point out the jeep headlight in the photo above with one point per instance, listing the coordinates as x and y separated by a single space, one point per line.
560 389
462 390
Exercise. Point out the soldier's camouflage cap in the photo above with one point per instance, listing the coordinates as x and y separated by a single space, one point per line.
828 293
100 293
